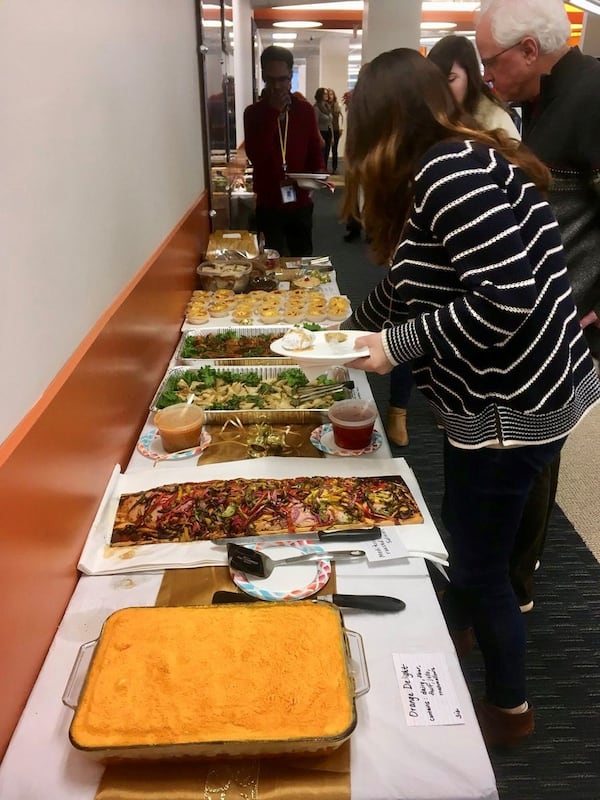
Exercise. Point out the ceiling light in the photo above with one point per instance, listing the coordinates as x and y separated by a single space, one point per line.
336 5
289 45
301 23
448 5
284 35
587 5
355 57
437 26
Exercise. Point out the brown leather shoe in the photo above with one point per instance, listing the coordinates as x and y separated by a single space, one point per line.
500 729
396 426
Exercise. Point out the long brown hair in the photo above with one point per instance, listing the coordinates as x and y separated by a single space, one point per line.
401 106
453 49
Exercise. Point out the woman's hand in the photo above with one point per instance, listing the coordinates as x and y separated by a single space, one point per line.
591 318
376 361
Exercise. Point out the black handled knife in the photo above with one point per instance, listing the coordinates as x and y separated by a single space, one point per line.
366 602
349 535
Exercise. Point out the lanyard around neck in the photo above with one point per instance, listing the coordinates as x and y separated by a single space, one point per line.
283 137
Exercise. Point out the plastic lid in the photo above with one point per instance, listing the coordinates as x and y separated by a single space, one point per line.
180 415
352 413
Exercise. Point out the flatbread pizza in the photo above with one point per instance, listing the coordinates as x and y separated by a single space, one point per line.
209 510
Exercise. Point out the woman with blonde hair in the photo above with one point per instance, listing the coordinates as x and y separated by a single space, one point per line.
491 332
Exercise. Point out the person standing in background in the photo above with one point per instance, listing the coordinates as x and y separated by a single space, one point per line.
457 58
281 137
523 45
336 115
324 120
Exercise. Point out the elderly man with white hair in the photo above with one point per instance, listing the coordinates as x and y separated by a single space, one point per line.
525 52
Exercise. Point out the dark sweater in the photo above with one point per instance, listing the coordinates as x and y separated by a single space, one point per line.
493 332
304 152
562 128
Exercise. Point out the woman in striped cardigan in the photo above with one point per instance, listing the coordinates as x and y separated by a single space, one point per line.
491 331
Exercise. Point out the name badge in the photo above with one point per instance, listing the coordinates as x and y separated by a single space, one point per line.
288 192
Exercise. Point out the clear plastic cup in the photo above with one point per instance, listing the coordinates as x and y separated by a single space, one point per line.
352 422
179 426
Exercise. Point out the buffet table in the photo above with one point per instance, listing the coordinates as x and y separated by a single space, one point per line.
391 757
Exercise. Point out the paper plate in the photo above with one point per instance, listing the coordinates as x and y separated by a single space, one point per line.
322 439
323 351
150 445
316 176
290 581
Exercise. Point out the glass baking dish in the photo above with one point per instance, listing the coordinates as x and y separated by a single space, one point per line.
310 691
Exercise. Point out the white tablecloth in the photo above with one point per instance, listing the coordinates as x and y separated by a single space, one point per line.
390 761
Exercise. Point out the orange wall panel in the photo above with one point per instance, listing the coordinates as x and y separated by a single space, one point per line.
52 480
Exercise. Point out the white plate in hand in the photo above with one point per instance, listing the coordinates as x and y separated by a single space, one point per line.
315 176
323 351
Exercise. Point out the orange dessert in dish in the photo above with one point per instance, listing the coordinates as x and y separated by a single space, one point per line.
207 680
218 309
270 315
338 308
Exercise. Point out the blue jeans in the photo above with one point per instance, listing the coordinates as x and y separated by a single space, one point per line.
401 383
485 493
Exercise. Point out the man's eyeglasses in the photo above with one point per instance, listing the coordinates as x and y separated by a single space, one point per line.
275 79
489 62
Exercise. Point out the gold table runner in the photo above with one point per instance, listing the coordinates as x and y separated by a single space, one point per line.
229 442
284 778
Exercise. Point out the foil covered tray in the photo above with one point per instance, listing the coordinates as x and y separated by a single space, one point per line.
178 377
230 345
129 690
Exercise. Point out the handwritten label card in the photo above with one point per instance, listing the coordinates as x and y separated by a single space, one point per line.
428 694
387 548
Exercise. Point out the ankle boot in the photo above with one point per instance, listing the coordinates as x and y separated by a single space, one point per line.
396 426
501 729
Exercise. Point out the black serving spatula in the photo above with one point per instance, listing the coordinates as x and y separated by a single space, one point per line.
366 602
253 562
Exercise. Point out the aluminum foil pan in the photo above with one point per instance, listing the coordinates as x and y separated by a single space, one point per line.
278 416
218 356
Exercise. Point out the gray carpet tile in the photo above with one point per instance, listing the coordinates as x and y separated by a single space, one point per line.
562 760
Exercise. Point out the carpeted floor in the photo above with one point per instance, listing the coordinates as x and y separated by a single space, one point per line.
562 759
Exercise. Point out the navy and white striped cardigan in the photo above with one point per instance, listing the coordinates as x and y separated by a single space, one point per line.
492 330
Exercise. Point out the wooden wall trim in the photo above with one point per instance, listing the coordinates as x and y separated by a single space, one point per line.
55 466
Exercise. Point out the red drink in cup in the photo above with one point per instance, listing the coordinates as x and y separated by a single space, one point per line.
352 422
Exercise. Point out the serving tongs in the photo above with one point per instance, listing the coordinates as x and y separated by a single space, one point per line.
322 391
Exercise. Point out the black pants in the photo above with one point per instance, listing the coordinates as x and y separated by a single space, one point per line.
531 535
288 230
486 492
334 150
327 137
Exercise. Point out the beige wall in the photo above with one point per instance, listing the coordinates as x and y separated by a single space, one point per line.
101 156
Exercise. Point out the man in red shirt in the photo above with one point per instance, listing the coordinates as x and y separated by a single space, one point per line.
281 137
